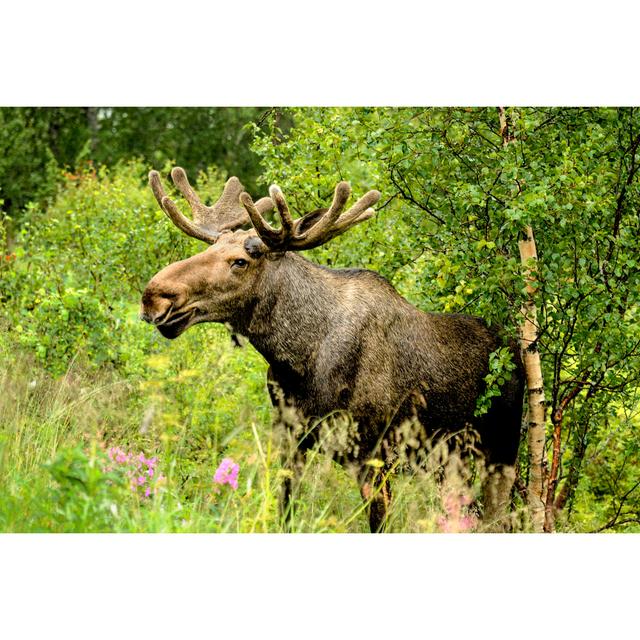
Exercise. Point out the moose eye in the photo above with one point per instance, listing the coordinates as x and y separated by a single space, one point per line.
240 262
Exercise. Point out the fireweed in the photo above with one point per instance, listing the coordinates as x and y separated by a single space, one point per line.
144 478
457 518
227 473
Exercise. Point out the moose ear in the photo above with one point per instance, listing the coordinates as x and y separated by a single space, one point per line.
254 247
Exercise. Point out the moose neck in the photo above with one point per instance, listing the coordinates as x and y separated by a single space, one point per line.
292 313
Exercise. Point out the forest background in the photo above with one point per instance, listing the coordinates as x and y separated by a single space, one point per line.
91 397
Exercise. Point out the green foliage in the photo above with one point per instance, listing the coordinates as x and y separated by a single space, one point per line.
81 373
28 166
85 495
37 143
501 366
196 137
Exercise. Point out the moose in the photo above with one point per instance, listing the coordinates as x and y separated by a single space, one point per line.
337 341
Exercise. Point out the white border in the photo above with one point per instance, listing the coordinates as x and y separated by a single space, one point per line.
318 586
326 53
191 53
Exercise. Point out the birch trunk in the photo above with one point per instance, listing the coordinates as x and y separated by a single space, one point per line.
532 367
535 385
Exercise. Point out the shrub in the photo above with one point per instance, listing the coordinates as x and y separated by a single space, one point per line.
81 265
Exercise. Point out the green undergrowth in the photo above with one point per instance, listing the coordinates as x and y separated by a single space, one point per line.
188 409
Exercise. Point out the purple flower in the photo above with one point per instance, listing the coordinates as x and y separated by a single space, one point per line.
141 471
227 473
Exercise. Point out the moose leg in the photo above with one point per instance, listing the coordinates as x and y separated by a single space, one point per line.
500 441
292 466
496 492
376 490
286 426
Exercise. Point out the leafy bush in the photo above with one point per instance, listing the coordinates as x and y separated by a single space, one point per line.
82 263
85 495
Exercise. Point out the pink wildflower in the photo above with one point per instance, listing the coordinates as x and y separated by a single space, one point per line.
444 525
140 470
468 522
456 520
227 473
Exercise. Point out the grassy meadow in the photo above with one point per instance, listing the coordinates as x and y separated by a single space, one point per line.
189 409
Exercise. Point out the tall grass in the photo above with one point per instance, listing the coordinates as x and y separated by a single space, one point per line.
189 411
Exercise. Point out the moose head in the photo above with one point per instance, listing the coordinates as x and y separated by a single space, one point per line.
220 283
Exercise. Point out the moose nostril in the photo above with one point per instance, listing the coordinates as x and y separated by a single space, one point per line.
144 314
156 318
156 306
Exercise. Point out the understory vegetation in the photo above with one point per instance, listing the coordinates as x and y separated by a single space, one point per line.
107 426
77 450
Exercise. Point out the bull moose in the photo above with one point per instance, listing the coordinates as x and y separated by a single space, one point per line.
336 340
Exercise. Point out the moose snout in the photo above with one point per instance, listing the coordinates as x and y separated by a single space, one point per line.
159 301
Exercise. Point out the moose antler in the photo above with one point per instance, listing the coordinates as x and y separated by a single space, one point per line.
314 228
208 222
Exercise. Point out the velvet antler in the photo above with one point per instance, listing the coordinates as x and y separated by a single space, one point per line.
208 221
313 229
